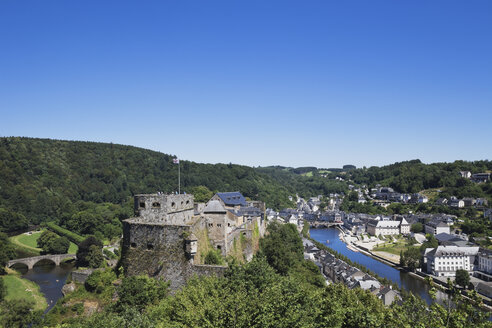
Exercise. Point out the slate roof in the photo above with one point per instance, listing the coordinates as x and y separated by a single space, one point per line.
446 237
451 251
249 211
214 206
436 223
232 198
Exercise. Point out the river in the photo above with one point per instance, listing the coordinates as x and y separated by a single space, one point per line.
50 279
402 279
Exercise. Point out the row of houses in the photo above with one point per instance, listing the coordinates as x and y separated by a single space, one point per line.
338 271
460 203
388 194
477 177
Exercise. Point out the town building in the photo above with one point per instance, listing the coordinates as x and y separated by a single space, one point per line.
480 177
436 227
443 261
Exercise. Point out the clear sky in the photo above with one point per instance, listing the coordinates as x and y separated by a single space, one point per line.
295 83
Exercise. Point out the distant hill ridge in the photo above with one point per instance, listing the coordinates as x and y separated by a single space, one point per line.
44 179
41 179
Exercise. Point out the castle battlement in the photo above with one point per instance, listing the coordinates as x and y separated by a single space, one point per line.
166 209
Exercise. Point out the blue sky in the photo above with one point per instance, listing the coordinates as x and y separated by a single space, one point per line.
294 83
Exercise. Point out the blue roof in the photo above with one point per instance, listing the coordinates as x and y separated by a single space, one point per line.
232 198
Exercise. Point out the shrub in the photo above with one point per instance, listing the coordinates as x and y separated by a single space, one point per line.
214 257
99 280
77 239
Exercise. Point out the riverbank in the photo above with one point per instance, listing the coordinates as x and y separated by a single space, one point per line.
20 288
441 284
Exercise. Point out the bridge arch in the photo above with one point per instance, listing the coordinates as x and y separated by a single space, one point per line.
18 265
31 261
45 260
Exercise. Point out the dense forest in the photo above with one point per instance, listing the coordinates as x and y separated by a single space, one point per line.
87 186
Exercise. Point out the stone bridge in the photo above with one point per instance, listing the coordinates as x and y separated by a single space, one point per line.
31 261
324 224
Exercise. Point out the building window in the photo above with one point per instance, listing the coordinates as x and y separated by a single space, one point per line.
156 205
219 224
133 245
142 205
173 204
150 246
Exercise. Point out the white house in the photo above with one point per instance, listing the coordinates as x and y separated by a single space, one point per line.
443 261
380 227
404 227
485 261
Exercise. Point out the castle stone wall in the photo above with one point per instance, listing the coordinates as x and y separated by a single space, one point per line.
169 209
159 250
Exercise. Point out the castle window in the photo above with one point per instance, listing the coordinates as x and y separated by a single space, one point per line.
173 204
156 205
187 202
219 224
181 203
210 224
150 246
142 205
219 247
133 245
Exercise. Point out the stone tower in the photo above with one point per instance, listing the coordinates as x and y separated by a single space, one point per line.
160 241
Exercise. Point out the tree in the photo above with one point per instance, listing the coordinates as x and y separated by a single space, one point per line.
139 291
417 227
431 242
201 194
84 249
99 280
19 313
410 258
7 251
462 277
11 221
282 247
353 196
3 290
51 243
94 257
214 257
60 245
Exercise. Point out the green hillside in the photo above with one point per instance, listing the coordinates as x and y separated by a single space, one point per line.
414 176
87 186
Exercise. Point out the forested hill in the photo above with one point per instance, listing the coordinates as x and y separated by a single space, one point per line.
414 176
43 180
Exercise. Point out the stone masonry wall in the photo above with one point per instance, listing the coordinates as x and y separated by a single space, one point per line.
170 209
158 250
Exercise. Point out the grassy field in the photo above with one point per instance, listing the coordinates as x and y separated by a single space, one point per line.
29 242
393 248
18 288
432 194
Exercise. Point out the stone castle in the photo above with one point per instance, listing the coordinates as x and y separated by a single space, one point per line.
167 237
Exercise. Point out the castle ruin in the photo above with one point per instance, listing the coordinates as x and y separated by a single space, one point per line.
161 240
